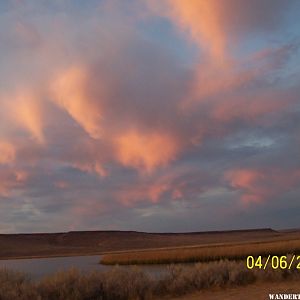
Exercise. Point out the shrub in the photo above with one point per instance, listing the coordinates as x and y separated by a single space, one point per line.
133 283
15 285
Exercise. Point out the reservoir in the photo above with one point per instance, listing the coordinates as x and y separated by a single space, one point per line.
40 267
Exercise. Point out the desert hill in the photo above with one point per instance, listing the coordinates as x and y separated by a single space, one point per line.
97 242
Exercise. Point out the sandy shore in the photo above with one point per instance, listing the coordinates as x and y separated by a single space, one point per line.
259 291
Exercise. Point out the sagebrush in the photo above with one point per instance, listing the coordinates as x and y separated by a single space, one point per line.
133 283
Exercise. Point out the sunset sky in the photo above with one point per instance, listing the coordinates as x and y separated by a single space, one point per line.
150 115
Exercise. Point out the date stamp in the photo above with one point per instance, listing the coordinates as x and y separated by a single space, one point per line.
273 261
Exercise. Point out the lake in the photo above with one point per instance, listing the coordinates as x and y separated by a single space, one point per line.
40 267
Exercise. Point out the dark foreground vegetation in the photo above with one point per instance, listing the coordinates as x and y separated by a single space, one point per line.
120 284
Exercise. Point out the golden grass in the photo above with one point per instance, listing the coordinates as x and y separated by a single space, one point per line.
202 253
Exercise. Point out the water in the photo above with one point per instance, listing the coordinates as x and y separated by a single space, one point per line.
40 267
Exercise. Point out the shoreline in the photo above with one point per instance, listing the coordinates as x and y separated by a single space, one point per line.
51 256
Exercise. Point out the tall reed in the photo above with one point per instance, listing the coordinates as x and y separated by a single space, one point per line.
201 254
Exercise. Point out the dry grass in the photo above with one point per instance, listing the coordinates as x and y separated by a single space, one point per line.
201 254
134 284
15 285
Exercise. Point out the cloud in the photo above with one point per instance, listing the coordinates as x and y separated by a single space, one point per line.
214 25
93 166
175 110
25 110
258 185
145 150
7 152
69 92
176 183
11 180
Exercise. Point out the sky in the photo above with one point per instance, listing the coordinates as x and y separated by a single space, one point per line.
149 115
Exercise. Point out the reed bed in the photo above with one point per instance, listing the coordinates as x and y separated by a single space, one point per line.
202 254
134 284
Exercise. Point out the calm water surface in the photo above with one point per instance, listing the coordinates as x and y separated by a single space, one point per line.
40 267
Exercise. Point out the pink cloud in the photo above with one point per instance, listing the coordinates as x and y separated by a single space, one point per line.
113 110
25 110
7 152
11 180
145 151
259 185
69 92
215 25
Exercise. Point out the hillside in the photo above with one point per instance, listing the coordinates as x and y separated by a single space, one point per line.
96 242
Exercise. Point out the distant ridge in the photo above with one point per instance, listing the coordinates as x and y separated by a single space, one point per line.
74 243
180 233
156 233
